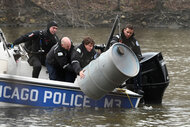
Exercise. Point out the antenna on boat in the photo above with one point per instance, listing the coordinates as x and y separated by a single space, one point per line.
119 26
112 32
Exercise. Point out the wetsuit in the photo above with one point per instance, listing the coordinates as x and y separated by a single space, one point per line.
37 44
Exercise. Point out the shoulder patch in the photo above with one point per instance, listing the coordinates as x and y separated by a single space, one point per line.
117 36
78 50
137 43
60 54
32 34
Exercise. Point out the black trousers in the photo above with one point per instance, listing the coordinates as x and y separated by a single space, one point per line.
36 61
66 75
60 74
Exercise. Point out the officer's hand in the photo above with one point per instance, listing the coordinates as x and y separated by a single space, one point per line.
81 73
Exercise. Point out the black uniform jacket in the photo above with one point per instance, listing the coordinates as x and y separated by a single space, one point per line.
81 57
132 43
38 42
59 57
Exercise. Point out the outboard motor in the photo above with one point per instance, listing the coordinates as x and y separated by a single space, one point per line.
154 78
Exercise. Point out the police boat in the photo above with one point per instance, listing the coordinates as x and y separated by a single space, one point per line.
18 88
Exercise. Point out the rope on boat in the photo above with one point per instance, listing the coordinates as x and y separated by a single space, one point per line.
124 91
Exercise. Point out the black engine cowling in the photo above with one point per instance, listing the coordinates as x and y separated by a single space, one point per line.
154 78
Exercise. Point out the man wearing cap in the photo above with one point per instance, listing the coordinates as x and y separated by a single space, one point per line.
38 44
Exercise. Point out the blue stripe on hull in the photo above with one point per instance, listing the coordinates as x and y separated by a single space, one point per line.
55 97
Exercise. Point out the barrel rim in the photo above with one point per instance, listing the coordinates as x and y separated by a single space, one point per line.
137 61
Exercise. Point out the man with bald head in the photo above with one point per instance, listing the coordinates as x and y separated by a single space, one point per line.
66 43
58 61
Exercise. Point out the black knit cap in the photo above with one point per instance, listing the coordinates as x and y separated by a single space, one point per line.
52 23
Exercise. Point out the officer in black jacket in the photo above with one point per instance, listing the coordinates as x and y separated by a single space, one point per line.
38 44
127 37
58 61
83 55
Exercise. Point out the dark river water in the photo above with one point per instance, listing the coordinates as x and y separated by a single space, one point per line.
174 111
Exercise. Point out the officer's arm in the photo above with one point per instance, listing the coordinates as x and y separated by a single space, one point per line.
75 62
25 38
114 40
76 67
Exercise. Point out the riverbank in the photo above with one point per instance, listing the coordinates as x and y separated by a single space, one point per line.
91 13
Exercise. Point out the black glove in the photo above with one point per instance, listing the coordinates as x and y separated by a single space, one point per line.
68 67
100 47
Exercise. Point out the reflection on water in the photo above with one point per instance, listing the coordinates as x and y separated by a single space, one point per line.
174 111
